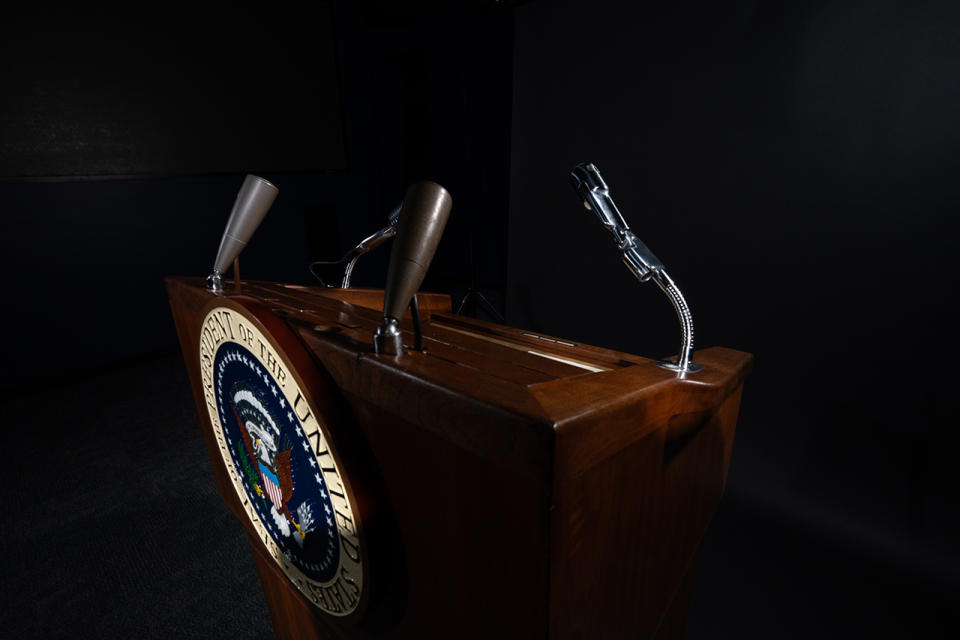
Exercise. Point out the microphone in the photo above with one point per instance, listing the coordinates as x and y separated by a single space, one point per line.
252 203
593 191
590 186
423 216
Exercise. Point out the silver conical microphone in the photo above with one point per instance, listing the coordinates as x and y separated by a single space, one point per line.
423 216
252 203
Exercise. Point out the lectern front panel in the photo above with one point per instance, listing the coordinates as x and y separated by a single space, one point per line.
499 483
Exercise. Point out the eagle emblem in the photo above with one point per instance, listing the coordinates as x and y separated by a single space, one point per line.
265 459
276 454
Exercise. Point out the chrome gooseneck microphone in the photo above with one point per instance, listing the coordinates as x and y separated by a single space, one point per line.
371 242
252 203
423 216
595 194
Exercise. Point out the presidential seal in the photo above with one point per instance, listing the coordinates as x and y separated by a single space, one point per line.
277 453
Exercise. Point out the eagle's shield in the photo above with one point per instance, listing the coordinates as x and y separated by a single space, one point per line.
272 484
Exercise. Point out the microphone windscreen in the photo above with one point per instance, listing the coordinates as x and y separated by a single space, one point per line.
254 199
424 214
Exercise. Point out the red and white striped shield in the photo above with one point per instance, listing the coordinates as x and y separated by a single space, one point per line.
272 485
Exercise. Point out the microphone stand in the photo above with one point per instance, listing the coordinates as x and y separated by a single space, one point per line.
590 186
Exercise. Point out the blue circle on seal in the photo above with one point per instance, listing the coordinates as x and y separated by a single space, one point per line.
276 463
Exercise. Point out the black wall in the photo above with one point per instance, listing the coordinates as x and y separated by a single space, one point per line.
162 92
124 143
794 166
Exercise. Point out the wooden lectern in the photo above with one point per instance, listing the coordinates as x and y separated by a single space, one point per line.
498 484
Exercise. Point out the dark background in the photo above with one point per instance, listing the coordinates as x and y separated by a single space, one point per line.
793 164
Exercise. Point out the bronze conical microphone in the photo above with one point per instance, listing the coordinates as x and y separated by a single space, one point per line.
252 203
424 214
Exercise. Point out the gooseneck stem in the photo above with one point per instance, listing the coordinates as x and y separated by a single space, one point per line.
668 286
595 194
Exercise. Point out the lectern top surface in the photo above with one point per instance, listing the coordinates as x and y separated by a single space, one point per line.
521 357
545 378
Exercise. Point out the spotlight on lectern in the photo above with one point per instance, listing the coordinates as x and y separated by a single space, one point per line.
252 203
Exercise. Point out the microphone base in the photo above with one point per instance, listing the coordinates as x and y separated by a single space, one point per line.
214 282
674 365
388 339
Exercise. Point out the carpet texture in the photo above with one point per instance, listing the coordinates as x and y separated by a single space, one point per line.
112 528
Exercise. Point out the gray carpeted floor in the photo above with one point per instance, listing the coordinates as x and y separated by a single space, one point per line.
112 528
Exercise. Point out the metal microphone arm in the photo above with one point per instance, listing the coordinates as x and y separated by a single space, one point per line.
366 245
370 243
595 194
